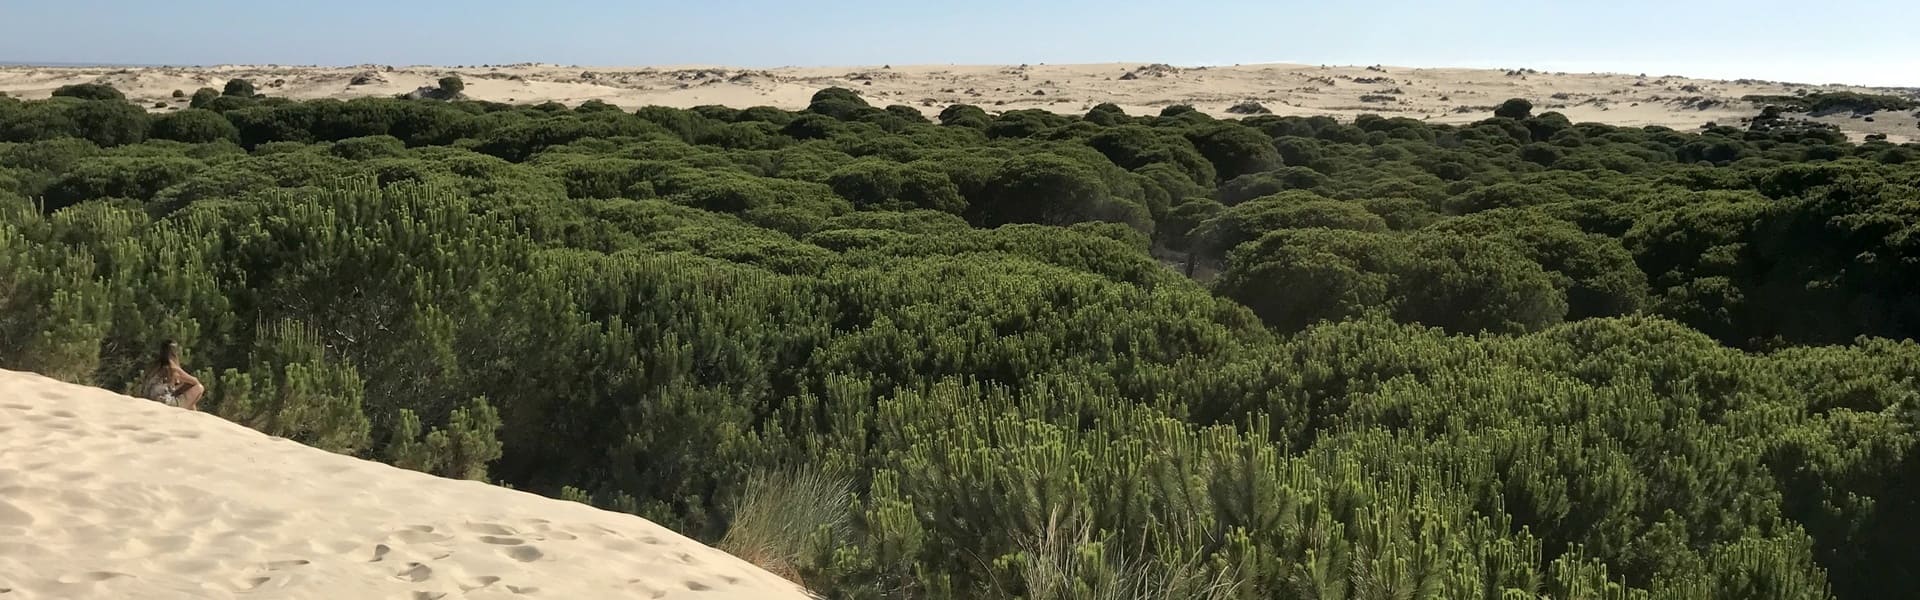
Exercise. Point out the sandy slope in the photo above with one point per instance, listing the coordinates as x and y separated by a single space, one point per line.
1441 95
105 496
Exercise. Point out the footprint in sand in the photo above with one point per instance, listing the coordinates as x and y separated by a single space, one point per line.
90 577
281 565
379 553
696 585
645 586
478 582
429 595
248 584
524 553
421 534
517 549
491 528
415 572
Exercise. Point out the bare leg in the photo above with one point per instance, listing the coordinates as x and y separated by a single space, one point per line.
190 399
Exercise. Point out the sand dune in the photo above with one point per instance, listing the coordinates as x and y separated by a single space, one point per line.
1439 95
105 496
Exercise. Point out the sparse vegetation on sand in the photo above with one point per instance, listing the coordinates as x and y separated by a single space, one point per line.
1249 107
1835 102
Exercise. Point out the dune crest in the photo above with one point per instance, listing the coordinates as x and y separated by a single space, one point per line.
107 496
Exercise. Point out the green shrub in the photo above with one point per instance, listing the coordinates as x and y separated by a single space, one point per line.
238 87
1053 190
370 147
1235 150
907 113
89 91
965 115
1469 285
1514 108
138 178
1107 114
839 103
293 390
195 126
878 184
202 97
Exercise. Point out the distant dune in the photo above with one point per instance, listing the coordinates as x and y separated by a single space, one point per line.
106 496
1439 95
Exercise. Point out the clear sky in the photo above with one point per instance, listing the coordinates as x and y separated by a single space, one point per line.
1813 41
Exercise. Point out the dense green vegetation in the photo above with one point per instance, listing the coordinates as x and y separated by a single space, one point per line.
1521 358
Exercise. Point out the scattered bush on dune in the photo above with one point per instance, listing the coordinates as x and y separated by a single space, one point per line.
202 97
1514 108
238 87
89 91
1834 102
1249 108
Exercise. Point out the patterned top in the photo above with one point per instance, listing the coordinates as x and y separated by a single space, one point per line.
159 388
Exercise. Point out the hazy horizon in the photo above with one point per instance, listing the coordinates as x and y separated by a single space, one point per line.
1842 42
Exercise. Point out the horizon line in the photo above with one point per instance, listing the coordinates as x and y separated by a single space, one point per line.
1559 69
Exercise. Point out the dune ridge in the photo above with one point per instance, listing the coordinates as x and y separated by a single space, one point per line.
107 496
1441 95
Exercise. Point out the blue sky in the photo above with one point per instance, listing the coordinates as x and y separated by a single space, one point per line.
1852 41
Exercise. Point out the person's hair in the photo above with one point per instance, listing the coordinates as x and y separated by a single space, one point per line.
169 352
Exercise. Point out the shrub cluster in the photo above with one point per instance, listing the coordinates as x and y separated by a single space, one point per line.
1028 355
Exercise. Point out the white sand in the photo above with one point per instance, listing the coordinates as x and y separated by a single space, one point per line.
106 496
1438 95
